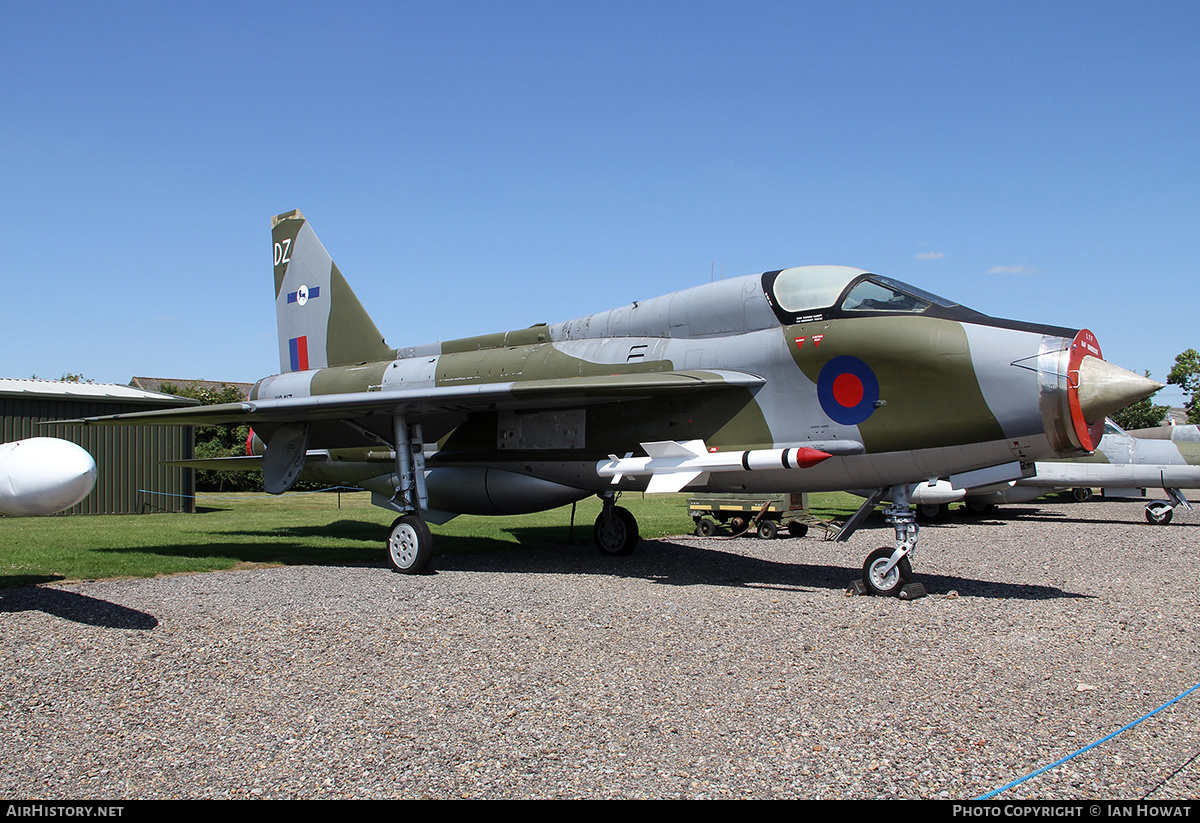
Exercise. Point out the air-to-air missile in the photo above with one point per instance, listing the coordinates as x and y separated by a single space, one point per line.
669 466
43 475
894 384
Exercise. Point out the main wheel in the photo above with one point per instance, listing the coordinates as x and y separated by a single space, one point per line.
976 508
409 545
616 531
1158 513
1081 494
889 583
932 511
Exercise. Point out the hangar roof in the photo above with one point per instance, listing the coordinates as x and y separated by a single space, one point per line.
17 387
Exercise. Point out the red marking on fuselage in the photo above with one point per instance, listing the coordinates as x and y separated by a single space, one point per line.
847 390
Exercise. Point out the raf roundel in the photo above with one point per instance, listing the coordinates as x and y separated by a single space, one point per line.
848 390
303 294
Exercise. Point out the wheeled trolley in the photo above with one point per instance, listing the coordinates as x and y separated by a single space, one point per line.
761 514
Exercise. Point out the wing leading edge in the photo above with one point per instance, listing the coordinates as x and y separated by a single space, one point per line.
414 403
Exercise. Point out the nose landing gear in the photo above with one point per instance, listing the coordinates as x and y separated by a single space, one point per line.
887 571
1158 512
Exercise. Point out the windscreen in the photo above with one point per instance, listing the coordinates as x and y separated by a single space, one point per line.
875 296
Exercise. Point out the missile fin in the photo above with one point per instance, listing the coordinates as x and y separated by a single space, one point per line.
675 448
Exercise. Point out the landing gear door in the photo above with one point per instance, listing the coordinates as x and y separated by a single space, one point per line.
284 458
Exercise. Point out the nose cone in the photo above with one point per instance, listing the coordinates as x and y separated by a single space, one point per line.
1105 388
1080 388
43 475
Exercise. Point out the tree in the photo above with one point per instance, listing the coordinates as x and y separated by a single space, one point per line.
1186 375
68 378
218 441
1140 415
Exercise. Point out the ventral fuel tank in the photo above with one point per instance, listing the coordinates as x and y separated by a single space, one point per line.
43 475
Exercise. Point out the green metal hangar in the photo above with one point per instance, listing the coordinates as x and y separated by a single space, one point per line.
131 475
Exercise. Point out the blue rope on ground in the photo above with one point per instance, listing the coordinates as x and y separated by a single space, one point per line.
1057 763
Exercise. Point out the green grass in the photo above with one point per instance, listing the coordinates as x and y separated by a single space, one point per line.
253 529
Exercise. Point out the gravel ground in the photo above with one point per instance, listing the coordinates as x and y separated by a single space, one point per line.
693 669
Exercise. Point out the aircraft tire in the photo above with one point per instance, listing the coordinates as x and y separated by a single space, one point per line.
409 545
1081 494
890 584
978 509
1158 513
616 535
768 529
929 512
706 527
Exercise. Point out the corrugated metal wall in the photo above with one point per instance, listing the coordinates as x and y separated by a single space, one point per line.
130 476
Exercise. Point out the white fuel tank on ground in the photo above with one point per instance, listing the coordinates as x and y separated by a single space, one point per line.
43 475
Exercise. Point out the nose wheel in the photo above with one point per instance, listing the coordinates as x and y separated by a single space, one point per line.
887 571
1159 512
885 575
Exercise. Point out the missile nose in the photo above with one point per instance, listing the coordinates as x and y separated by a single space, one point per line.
1105 388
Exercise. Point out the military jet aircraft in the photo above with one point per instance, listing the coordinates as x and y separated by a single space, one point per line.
1124 464
803 379
43 475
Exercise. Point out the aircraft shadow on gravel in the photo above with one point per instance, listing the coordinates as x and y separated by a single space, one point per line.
680 562
75 607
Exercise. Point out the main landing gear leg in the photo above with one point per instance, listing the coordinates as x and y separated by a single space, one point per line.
616 531
888 571
409 543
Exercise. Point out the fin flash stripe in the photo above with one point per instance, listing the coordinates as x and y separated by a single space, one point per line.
298 348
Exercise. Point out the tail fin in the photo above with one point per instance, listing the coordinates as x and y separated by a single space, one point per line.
321 322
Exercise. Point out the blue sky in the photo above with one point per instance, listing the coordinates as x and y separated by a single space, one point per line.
479 166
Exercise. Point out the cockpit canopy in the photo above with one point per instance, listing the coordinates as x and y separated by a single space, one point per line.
811 292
